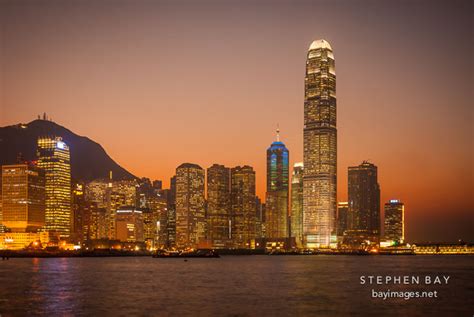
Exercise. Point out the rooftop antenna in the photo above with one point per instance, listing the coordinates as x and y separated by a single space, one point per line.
278 132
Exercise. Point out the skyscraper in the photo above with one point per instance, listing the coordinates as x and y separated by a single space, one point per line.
23 188
158 205
120 193
243 200
364 200
394 223
218 205
54 159
171 214
93 221
78 207
277 189
297 204
190 212
320 146
342 213
260 218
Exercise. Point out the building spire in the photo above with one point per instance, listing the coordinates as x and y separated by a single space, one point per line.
278 133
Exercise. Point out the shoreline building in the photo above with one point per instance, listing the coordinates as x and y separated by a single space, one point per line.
190 206
129 224
243 204
394 221
54 159
297 204
156 235
23 192
277 190
342 214
119 193
218 206
320 147
364 204
171 214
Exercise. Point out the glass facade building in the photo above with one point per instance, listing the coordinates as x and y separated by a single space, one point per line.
277 190
119 193
218 206
54 159
320 147
190 206
394 222
23 192
342 212
243 201
364 200
297 204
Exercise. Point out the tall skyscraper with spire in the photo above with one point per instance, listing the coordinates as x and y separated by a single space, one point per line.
277 189
320 147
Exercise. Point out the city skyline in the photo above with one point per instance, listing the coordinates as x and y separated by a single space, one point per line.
444 182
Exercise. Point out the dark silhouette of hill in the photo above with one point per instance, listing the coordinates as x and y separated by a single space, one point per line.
89 160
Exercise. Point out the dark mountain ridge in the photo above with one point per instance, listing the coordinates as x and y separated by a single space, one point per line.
89 160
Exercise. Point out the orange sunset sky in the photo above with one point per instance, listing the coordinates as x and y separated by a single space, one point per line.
159 83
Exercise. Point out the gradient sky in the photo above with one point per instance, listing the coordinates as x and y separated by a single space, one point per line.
158 83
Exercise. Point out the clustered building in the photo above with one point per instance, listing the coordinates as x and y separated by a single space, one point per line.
213 208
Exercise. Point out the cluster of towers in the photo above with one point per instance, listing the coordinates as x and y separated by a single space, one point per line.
36 196
216 208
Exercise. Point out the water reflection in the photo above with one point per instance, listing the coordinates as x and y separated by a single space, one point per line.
231 285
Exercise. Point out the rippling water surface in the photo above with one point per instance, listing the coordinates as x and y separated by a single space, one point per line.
232 285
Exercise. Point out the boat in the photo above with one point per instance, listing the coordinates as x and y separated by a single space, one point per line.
199 253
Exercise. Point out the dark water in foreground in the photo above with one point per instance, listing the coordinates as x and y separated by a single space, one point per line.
232 285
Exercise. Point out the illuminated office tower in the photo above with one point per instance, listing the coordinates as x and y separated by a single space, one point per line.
320 147
93 221
394 223
23 192
190 212
342 212
129 224
111 195
364 200
297 204
54 159
78 204
151 223
218 205
97 194
243 206
158 205
277 189
171 214
260 218
119 193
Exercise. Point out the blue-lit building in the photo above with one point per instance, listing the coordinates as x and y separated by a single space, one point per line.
276 222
